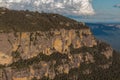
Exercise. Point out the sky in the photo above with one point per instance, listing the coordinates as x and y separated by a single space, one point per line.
81 10
105 11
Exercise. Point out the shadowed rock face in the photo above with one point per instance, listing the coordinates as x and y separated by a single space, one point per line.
27 54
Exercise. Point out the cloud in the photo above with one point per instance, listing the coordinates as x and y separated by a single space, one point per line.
117 5
70 7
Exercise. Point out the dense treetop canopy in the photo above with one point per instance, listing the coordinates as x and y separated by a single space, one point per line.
11 20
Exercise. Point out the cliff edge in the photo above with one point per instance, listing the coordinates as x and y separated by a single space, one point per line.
42 46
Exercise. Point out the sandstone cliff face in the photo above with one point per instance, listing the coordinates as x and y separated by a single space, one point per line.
30 44
47 53
35 46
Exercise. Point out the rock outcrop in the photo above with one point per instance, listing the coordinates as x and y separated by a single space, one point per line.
57 46
30 44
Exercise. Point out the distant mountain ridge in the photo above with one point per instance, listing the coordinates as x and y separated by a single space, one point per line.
108 32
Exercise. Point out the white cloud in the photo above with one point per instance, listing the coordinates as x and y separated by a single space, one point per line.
70 7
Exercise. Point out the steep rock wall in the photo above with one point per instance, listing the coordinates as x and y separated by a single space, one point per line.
30 44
